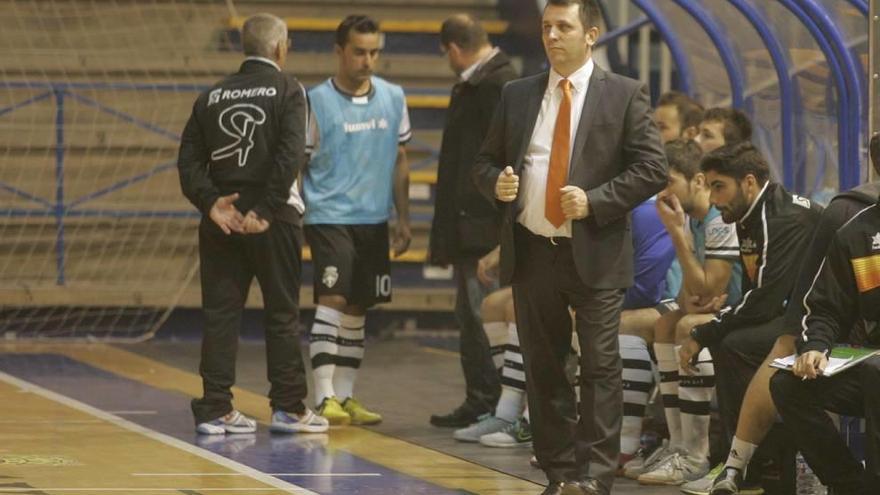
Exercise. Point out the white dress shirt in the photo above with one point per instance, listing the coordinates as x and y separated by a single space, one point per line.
533 177
467 73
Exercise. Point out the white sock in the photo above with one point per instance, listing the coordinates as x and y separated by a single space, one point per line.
496 332
667 364
350 355
513 379
694 399
741 453
637 380
323 349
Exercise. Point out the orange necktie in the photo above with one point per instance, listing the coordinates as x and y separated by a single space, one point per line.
557 175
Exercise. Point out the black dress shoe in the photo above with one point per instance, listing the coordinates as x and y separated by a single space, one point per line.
553 489
462 416
586 487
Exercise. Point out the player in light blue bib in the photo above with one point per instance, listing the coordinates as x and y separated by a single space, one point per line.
357 171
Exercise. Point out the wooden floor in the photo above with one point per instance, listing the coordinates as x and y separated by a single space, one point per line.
93 418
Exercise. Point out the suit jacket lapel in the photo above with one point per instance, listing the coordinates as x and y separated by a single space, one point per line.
591 102
532 108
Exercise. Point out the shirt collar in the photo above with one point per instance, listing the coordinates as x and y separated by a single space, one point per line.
755 203
579 79
469 72
263 60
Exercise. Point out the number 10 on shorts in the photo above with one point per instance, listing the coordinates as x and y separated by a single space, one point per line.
383 285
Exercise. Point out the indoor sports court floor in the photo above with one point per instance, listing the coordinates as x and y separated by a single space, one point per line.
101 419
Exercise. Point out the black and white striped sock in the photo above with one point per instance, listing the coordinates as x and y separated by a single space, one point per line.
323 349
496 333
637 381
694 398
667 364
513 379
350 355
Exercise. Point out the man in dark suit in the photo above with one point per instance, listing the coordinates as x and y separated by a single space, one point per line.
588 151
465 225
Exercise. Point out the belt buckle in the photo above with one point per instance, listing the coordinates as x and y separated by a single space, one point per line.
553 241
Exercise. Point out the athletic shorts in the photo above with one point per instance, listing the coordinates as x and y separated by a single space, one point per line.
351 261
667 306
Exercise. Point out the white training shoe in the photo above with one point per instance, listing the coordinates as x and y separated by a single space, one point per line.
677 469
307 422
702 486
234 422
486 425
642 462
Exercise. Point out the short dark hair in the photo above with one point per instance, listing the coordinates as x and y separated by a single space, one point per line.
356 22
874 147
737 161
684 157
589 11
737 126
465 32
690 113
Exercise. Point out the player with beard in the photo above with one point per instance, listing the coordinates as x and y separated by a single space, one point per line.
774 229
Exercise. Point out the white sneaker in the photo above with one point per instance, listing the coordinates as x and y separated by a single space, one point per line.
642 463
675 470
486 425
702 486
517 434
307 422
234 422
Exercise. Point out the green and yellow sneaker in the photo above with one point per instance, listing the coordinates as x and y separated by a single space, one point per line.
331 409
359 414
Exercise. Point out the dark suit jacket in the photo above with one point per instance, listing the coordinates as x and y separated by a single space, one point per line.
465 223
617 159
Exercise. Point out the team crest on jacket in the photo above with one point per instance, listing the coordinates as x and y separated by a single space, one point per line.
331 275
875 241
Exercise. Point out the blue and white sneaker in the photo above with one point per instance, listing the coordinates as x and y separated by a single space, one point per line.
234 422
307 422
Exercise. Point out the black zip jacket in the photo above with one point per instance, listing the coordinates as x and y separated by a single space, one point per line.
847 286
840 210
773 237
246 135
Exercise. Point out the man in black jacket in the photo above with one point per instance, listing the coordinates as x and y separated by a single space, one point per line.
843 293
465 225
240 154
774 228
758 413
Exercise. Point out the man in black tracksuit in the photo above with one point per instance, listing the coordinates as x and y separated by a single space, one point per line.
240 154
774 229
842 305
756 417
465 224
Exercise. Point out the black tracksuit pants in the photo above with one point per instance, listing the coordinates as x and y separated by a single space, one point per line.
228 265
802 405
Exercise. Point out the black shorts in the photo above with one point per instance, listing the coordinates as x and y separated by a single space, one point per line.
351 261
667 306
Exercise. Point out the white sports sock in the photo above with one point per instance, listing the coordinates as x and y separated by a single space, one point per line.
350 355
637 380
694 399
323 349
741 453
667 364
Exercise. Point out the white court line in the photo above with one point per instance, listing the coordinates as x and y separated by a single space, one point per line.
51 421
151 490
155 435
310 475
133 413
